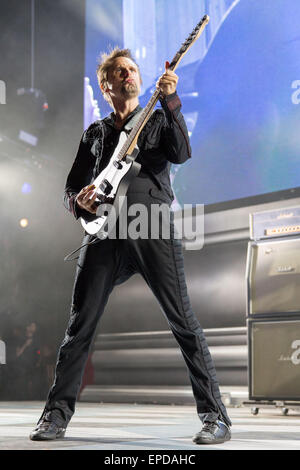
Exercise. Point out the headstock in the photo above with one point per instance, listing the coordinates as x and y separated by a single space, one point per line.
195 34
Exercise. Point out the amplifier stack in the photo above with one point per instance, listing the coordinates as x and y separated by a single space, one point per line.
273 309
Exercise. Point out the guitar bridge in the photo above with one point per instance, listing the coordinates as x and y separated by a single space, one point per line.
102 199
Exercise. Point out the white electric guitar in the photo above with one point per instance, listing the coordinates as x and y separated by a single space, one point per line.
112 183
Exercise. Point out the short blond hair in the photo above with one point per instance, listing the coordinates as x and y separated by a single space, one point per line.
105 62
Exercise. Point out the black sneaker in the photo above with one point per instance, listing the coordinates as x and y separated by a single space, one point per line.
213 433
47 431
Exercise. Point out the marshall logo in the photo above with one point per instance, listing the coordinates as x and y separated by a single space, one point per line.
285 269
295 357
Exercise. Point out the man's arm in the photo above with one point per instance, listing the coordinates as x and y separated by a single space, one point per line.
78 180
174 134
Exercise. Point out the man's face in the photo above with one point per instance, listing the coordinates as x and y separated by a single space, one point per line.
123 79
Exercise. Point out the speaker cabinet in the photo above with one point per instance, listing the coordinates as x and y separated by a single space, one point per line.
273 276
274 359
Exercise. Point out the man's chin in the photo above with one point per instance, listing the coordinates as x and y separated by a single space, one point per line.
130 91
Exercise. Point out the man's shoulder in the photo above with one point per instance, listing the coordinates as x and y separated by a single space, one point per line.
94 125
93 131
156 119
159 112
96 128
158 115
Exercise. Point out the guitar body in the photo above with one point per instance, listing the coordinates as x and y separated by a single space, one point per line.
112 185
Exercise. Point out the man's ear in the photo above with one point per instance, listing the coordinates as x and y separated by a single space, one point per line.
105 88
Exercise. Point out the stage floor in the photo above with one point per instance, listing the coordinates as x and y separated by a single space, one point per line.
131 427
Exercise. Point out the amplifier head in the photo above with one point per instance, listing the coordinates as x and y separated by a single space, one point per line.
275 223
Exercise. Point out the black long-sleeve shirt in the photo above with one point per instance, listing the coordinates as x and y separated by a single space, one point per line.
164 140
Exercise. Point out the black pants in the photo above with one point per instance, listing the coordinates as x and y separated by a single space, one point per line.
108 263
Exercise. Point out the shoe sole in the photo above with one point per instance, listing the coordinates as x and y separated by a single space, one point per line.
60 435
217 441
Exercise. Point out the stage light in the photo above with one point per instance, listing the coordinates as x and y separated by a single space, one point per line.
26 188
28 138
24 223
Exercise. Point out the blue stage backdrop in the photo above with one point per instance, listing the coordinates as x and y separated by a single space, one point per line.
239 86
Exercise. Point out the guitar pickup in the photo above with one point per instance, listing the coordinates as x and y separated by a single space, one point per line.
106 187
118 165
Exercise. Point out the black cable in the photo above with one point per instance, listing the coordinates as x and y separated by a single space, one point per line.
67 258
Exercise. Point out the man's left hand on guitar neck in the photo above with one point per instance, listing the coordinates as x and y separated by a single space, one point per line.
168 81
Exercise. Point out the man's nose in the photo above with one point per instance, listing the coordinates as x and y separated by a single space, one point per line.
125 73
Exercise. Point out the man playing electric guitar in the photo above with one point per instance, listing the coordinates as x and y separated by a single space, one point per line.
164 140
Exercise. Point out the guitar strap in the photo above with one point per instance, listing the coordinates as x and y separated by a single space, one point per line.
128 127
98 143
132 122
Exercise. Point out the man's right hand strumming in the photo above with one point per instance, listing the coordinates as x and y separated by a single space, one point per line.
86 199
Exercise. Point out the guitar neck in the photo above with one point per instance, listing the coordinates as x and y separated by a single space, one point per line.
131 141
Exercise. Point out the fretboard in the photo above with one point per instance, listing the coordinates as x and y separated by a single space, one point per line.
146 113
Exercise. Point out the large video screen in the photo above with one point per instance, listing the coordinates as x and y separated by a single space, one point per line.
239 85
